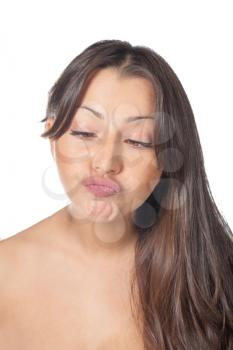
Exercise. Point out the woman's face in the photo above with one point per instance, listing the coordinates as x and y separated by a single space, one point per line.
115 148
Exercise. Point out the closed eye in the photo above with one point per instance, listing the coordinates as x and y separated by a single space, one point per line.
82 133
85 134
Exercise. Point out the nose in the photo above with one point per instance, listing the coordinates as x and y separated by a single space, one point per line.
107 158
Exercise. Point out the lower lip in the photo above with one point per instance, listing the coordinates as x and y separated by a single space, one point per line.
101 191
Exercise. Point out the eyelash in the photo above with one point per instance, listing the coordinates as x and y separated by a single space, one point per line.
90 134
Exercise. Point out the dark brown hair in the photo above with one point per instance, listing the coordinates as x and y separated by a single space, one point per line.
184 252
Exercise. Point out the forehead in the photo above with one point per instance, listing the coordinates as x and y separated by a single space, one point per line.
110 93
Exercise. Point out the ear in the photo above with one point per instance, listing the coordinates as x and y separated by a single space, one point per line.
48 124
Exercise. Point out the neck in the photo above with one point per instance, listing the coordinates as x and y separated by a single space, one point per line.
100 238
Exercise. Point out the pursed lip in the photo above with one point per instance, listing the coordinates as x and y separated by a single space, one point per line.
100 181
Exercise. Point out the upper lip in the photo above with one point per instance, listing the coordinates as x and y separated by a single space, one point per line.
95 180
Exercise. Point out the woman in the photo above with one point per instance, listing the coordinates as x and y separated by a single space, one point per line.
141 258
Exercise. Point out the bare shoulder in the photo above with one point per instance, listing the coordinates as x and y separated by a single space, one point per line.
21 250
20 258
35 234
27 246
11 247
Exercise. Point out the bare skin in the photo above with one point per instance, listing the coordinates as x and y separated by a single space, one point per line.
54 297
67 278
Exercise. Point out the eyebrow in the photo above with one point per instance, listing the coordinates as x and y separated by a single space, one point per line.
128 119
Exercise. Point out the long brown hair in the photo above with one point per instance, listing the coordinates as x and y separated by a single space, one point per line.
184 252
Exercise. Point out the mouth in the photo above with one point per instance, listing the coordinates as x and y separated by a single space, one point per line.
102 187
101 191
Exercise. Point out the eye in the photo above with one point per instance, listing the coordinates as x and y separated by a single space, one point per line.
82 134
141 144
136 144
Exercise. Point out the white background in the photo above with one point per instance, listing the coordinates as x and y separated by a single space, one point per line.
39 39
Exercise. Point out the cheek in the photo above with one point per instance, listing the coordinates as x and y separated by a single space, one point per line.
71 150
152 175
142 181
143 175
68 166
67 176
